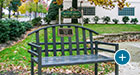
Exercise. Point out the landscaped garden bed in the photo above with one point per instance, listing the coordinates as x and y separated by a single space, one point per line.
17 59
12 30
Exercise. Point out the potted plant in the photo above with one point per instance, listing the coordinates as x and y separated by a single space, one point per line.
115 21
47 19
134 20
96 19
37 21
86 20
125 19
106 19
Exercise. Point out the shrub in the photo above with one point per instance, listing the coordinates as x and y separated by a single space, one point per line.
86 20
11 29
27 25
134 20
36 21
16 29
106 19
4 31
96 19
47 19
125 19
115 21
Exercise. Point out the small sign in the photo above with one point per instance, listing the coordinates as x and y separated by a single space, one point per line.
65 32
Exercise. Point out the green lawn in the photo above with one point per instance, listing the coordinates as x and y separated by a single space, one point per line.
112 28
18 53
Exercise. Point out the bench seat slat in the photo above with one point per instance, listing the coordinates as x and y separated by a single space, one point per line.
71 60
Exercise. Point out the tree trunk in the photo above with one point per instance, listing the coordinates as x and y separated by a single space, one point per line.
74 5
36 12
1 6
9 16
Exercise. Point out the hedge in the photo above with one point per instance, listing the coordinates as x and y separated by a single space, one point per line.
11 29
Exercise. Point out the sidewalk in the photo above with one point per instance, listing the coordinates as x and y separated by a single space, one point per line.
133 68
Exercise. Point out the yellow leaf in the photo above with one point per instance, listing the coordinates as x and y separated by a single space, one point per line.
36 1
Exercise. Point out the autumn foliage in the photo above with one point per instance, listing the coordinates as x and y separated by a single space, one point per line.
107 4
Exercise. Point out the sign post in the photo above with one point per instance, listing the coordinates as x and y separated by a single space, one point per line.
82 17
59 15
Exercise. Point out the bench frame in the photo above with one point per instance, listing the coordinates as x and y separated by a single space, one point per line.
38 51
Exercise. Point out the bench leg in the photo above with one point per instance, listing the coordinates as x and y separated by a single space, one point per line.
96 69
116 69
39 70
32 67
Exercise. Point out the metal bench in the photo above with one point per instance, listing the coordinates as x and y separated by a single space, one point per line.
76 54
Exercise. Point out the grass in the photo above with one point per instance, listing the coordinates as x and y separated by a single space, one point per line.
113 28
18 53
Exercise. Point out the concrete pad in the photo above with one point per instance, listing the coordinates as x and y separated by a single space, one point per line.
133 68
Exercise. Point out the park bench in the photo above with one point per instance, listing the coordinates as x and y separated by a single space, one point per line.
70 39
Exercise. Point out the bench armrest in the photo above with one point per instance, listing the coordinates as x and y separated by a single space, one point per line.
105 43
107 50
34 45
33 53
38 53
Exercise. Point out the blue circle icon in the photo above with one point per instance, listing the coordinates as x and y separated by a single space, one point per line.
122 57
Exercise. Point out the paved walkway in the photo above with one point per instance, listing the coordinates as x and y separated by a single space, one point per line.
133 68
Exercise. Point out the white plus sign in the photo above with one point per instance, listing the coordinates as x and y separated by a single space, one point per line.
122 57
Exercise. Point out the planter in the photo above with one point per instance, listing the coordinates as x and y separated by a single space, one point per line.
53 22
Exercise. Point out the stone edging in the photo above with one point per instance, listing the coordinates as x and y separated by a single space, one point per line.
118 37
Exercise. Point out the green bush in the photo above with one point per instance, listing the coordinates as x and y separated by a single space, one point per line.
86 20
11 29
125 19
47 19
96 19
134 20
115 21
106 19
27 25
37 21
4 31
16 29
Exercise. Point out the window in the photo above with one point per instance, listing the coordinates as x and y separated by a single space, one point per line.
88 10
127 12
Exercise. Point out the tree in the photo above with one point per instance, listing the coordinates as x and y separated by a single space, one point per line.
3 4
15 5
74 5
53 9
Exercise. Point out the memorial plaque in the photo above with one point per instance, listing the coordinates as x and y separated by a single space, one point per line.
65 32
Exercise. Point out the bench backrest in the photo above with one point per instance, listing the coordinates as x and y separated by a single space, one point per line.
63 46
